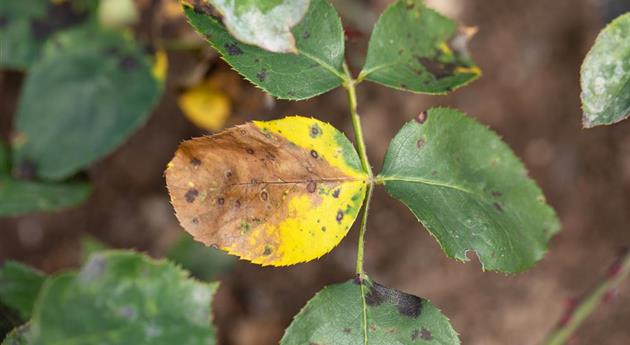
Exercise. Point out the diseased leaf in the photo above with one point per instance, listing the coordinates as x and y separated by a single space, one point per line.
25 25
89 92
206 105
414 48
469 190
317 66
19 287
605 76
18 336
121 298
274 193
371 314
19 197
263 23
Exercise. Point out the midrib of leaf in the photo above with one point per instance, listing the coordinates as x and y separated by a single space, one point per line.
324 180
326 66
421 180
366 73
364 306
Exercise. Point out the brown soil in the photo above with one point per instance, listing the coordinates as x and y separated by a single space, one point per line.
530 52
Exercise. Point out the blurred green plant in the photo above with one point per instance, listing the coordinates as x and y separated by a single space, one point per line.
88 87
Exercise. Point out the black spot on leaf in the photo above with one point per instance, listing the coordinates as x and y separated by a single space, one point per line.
315 131
347 330
191 195
195 220
498 207
408 305
425 334
267 251
262 75
339 216
250 151
437 69
264 195
422 117
311 187
336 193
195 162
221 201
233 49
306 35
314 154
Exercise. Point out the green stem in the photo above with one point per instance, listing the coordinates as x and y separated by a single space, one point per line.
586 305
349 85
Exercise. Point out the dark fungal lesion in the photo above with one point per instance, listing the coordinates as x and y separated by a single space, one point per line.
191 195
406 304
233 49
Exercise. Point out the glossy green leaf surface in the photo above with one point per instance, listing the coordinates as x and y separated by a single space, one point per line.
605 76
121 298
89 92
414 48
315 68
263 23
469 190
368 313
20 196
19 287
25 25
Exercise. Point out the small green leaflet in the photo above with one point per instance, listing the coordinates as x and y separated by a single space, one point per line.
25 25
317 67
20 196
121 298
88 93
263 23
19 287
469 190
368 313
414 48
605 76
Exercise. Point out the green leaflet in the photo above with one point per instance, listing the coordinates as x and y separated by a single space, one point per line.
605 76
263 23
414 48
369 314
121 298
469 190
317 66
19 197
88 93
19 287
203 262
25 25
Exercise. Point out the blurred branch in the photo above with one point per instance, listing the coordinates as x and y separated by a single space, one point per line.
578 310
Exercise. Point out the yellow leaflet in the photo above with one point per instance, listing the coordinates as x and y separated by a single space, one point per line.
470 70
206 106
312 134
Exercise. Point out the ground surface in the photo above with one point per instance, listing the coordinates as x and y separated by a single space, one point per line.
530 52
